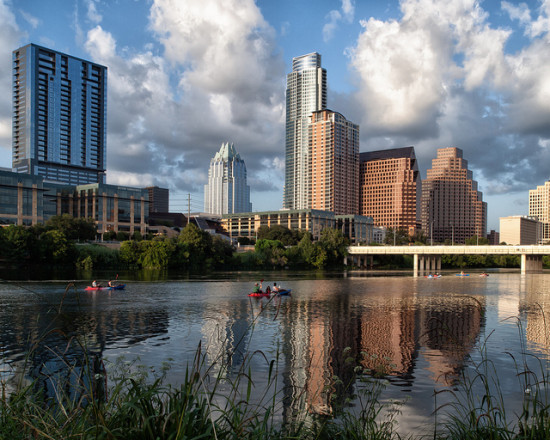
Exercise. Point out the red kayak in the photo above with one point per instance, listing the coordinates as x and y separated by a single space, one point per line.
258 294
117 287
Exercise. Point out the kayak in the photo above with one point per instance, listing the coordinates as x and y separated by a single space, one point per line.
117 287
259 294
280 292
432 276
462 274
283 292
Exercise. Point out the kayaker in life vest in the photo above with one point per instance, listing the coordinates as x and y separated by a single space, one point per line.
256 288
95 284
275 288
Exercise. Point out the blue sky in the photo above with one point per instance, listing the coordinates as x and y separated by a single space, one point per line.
185 76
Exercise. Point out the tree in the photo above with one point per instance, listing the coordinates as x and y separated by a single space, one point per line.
335 244
197 243
73 228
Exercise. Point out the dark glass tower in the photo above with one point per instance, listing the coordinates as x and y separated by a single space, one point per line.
59 116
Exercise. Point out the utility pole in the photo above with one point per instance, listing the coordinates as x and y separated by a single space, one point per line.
188 207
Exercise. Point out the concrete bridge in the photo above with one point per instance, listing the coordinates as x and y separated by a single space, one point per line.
428 258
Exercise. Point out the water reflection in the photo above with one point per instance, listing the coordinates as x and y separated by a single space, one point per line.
418 333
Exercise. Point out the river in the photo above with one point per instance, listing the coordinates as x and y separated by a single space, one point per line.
419 334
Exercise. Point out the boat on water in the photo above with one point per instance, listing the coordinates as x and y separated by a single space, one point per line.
462 274
117 287
432 276
281 292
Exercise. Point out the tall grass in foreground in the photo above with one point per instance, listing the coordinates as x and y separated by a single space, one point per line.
216 403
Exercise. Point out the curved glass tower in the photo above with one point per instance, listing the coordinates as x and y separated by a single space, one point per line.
306 92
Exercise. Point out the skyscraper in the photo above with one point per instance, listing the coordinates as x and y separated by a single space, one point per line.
227 191
452 207
390 188
334 163
306 93
59 116
539 207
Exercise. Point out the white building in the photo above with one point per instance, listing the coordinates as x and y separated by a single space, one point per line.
227 191
539 207
519 230
306 92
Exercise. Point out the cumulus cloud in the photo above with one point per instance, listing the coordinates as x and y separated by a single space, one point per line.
440 76
10 37
335 16
168 113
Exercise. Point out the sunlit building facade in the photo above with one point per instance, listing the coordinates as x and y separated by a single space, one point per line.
452 208
539 207
227 191
59 116
390 188
306 93
334 163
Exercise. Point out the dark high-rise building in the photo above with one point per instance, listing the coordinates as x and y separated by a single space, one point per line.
158 199
59 116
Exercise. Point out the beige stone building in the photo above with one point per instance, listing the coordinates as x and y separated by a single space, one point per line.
334 163
451 207
390 188
539 207
519 230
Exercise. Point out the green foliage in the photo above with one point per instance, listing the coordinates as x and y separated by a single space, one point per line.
55 247
109 236
122 236
271 253
475 240
334 246
80 229
399 237
16 243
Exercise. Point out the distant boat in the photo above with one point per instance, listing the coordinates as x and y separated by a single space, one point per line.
432 276
117 287
462 274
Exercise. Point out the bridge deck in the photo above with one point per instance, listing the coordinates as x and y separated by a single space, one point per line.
449 250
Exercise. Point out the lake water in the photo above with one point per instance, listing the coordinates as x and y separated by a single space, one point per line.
420 334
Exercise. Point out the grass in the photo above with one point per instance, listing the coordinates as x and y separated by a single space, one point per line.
91 400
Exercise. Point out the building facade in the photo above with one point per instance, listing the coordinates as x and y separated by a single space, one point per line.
306 93
28 200
334 163
227 191
539 207
158 199
519 230
452 208
59 116
357 228
390 188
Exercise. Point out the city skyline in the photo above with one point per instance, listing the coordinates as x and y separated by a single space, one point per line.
466 74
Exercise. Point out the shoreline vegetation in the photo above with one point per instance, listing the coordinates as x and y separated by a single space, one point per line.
69 242
87 398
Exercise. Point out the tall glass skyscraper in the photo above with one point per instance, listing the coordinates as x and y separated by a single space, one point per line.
59 116
306 92
227 191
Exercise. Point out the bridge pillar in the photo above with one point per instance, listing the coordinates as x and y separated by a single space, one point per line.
415 265
531 263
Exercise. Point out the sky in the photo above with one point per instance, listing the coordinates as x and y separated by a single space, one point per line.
185 76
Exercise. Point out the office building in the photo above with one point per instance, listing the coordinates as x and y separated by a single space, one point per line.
306 93
59 116
390 188
453 209
519 230
227 191
334 163
356 227
539 207
158 199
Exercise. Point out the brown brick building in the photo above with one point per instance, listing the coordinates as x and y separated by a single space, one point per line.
452 207
390 188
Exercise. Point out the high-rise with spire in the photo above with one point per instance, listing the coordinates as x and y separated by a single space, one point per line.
227 191
306 93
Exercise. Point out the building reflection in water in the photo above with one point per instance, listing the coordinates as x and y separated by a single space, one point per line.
535 309
385 334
